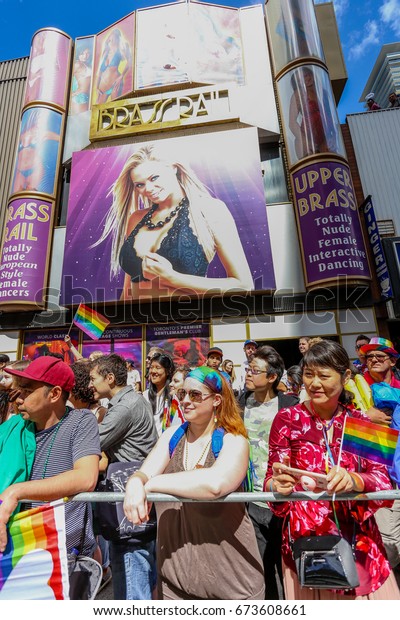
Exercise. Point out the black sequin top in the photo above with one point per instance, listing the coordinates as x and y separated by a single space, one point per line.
180 246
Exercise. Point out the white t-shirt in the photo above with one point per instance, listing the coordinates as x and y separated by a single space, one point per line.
133 378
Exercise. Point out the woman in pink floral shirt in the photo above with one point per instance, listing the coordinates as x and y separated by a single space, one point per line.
309 436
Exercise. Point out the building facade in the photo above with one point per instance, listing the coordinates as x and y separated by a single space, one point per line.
385 75
193 191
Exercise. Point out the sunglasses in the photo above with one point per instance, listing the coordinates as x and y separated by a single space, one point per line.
195 396
380 358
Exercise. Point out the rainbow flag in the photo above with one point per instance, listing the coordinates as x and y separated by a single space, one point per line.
171 412
370 441
34 564
90 322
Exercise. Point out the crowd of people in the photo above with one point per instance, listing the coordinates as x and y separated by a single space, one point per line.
202 433
393 101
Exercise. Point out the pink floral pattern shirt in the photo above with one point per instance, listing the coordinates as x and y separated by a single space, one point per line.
298 434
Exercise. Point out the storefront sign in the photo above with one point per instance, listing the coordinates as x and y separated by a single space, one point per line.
187 344
382 272
24 255
144 114
329 226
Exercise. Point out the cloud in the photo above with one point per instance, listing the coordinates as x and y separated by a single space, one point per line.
371 37
390 15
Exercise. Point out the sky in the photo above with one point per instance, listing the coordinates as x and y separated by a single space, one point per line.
364 26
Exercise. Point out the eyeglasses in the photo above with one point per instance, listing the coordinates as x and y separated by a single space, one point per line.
255 371
195 396
358 346
379 358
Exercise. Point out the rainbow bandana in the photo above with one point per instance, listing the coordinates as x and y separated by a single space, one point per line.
208 376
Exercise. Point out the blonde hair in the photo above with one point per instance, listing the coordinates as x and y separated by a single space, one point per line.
232 374
123 190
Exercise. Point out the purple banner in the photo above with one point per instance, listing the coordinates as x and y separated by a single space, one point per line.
329 225
217 243
24 255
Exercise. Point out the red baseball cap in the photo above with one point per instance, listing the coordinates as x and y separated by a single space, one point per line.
47 369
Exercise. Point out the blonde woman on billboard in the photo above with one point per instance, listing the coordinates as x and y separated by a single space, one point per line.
168 244
111 72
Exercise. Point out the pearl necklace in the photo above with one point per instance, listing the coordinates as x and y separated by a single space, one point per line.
196 465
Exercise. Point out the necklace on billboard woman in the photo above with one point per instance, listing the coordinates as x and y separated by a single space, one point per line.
150 225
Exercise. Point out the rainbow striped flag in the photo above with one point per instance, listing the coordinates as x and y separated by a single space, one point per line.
34 564
171 413
90 322
370 441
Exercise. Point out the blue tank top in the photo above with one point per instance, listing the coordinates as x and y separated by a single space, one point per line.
180 246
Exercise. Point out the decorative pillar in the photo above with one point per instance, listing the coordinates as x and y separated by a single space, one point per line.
26 243
331 240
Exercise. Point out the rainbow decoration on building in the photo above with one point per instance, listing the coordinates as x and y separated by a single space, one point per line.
34 564
90 322
370 441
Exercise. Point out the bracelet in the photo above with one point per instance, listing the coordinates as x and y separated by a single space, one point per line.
142 476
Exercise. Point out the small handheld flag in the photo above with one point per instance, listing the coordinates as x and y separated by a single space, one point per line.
90 322
370 441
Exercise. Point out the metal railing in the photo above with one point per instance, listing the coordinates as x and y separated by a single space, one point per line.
244 497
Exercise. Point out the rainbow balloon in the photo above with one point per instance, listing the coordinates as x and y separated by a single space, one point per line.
34 564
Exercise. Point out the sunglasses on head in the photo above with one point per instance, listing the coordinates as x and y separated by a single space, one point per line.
195 396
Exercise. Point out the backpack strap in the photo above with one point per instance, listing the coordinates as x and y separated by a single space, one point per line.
176 437
217 440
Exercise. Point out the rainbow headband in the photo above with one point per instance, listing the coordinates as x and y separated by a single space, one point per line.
208 376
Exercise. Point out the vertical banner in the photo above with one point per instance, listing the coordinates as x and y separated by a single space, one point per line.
38 150
330 229
48 68
381 268
25 251
113 63
26 243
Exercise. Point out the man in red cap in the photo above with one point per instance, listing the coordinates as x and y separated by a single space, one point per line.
67 450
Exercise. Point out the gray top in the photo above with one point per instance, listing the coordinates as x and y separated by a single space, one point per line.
127 431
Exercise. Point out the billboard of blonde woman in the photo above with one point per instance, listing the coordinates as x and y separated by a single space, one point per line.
162 46
113 63
183 215
216 45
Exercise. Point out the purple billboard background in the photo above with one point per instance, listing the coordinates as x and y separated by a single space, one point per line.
330 229
228 163
24 254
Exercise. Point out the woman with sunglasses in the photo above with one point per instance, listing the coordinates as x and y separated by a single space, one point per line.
205 551
308 437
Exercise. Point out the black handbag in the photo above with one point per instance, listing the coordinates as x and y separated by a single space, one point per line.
112 523
325 562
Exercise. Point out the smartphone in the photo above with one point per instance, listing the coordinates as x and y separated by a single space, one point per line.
297 473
